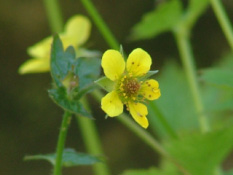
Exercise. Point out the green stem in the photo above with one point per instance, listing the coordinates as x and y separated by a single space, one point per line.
169 130
144 135
88 128
187 58
223 20
92 141
61 143
54 15
103 28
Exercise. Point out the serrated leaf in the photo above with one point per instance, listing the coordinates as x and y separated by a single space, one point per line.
105 83
218 76
201 154
88 70
164 18
61 61
60 97
150 171
70 158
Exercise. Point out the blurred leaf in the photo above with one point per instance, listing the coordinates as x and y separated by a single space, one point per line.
162 19
61 62
201 154
105 83
88 70
70 158
195 9
60 97
167 168
218 76
150 171
175 102
230 172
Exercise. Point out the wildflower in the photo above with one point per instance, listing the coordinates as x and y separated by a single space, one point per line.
76 32
130 88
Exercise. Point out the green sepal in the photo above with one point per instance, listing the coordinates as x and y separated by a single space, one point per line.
106 84
61 98
70 158
149 74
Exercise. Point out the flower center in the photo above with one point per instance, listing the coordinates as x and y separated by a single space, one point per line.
128 88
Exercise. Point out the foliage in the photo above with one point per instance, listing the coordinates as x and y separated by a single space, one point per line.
70 158
190 101
80 74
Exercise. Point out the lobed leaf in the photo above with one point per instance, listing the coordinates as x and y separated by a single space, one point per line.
61 61
70 158
164 18
201 154
60 97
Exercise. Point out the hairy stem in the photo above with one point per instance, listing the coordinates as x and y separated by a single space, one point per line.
61 143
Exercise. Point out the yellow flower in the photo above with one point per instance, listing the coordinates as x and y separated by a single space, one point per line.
130 87
76 32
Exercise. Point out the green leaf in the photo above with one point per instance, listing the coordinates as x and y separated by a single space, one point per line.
70 158
61 62
230 172
175 102
73 77
201 154
218 76
88 70
151 171
105 83
195 9
60 97
164 18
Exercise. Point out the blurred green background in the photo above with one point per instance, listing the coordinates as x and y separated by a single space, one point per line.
30 121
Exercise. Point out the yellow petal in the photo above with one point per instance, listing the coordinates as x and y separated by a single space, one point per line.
150 89
35 65
41 49
113 64
111 104
138 62
139 112
77 30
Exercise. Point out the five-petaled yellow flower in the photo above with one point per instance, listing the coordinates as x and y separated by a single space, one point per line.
129 89
76 32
